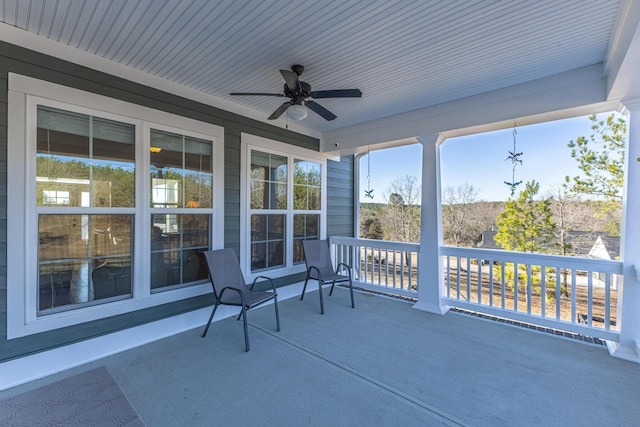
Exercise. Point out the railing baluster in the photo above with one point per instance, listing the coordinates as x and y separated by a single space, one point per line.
357 253
401 267
448 276
395 268
458 271
503 282
529 288
479 280
543 290
558 293
607 301
516 285
468 290
372 265
491 283
386 267
590 297
366 264
410 268
573 295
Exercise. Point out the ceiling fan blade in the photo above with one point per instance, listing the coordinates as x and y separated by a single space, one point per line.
256 94
339 93
281 109
290 78
314 106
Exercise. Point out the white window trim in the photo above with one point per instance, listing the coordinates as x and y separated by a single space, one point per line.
24 95
250 142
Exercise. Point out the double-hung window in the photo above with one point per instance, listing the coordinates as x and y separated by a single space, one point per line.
85 187
284 204
111 205
181 180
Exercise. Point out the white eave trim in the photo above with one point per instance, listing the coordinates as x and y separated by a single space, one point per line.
569 94
45 46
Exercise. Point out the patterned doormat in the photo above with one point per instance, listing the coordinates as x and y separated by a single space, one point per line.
92 398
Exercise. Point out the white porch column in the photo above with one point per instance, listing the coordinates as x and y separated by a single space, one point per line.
430 274
629 310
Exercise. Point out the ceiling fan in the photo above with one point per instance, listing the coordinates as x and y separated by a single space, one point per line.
299 91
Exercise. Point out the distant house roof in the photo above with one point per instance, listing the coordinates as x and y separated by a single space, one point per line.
606 247
583 243
487 240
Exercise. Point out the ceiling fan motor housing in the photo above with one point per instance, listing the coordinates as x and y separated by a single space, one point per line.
298 69
302 91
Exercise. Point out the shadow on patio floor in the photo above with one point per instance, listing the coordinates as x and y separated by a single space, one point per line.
382 363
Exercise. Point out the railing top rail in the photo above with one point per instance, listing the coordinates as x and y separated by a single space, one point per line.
374 243
560 261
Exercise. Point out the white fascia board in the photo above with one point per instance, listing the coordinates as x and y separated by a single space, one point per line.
622 67
568 94
62 51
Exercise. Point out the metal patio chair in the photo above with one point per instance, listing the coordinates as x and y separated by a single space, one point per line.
319 267
230 288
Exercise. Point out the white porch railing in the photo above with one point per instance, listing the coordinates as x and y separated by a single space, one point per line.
380 264
573 294
569 293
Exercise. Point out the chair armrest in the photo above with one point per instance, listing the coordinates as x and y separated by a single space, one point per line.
263 277
348 268
233 289
317 271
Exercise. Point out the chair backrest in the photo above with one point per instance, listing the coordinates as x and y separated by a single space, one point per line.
224 270
316 254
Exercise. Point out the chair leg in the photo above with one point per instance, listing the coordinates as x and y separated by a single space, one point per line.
320 283
246 332
275 303
351 290
304 288
332 285
215 307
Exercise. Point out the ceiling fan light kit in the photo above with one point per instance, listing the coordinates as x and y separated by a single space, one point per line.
297 112
299 91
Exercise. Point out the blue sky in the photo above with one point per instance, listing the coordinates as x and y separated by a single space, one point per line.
479 160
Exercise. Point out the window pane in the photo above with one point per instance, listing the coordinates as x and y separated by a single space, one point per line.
83 160
82 259
181 171
198 173
166 170
280 199
307 185
314 198
305 227
113 164
268 181
177 243
259 195
267 241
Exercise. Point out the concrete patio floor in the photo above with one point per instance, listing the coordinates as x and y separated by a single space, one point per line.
382 363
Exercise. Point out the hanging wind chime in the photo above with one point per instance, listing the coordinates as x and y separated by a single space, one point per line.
514 156
369 191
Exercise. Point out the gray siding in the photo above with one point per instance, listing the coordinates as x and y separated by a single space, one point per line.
340 208
22 61
3 204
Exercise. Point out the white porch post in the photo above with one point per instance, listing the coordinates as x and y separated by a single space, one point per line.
629 311
430 275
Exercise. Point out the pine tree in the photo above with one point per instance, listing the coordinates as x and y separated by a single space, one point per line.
526 224
601 160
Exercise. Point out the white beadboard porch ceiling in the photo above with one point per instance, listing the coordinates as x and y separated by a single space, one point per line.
403 55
